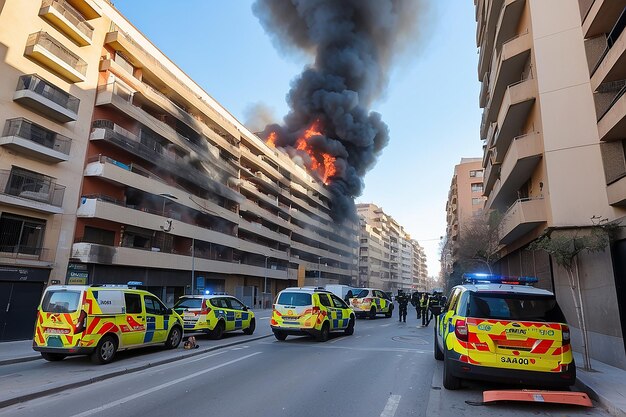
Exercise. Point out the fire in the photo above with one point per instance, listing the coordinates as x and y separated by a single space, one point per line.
271 140
328 169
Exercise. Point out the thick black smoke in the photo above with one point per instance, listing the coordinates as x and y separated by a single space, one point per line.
353 43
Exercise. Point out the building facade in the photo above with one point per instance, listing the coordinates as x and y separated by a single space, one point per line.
115 166
388 258
554 158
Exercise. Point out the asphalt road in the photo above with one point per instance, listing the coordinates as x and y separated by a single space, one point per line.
385 369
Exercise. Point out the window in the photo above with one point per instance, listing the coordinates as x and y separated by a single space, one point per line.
515 307
133 303
21 234
477 201
296 299
154 306
99 236
235 304
477 173
183 303
477 187
338 302
362 294
219 303
324 300
61 301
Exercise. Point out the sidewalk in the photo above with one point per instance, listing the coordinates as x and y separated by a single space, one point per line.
605 384
15 352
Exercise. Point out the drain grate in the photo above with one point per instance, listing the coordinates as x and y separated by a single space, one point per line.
414 340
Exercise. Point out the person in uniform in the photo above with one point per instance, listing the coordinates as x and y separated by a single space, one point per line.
415 302
424 309
403 301
434 306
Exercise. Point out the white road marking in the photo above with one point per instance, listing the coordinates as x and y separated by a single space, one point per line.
392 406
159 387
337 339
385 325
264 318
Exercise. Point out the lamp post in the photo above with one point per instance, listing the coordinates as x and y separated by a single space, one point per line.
265 282
319 271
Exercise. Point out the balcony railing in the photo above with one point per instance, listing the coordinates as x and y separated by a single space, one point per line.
53 46
24 252
28 130
32 186
40 86
71 14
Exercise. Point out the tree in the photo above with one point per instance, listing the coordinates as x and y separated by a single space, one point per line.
564 247
478 243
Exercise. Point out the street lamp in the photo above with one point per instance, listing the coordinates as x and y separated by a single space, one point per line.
265 282
319 271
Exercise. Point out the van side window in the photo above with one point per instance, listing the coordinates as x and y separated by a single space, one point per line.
154 306
133 303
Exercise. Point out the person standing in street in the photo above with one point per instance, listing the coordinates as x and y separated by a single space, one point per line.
424 309
415 302
403 301
434 306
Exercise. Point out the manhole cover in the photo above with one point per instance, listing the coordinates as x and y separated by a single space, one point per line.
414 340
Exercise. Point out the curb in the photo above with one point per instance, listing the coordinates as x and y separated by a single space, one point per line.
19 360
137 368
600 399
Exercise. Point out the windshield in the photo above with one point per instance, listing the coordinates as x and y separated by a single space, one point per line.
297 299
361 294
188 303
61 301
515 307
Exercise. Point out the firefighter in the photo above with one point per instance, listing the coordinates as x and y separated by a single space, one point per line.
403 301
424 309
415 302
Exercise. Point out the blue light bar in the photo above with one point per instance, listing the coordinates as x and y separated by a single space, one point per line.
498 279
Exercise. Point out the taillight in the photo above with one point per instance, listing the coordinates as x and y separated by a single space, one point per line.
565 334
82 322
367 300
315 310
460 330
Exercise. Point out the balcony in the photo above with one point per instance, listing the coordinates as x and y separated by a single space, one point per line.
487 46
612 64
516 105
38 94
616 192
68 20
31 190
492 173
25 255
612 123
600 16
509 20
509 69
521 218
49 52
21 135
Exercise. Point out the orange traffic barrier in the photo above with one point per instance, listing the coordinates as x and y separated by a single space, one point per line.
538 396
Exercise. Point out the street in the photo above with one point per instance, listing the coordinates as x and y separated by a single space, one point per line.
385 369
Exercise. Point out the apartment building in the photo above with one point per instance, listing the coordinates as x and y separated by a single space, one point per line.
117 167
465 202
388 258
420 269
551 123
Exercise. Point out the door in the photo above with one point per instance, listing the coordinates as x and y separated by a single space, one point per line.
445 319
134 327
18 309
332 311
157 320
236 308
342 314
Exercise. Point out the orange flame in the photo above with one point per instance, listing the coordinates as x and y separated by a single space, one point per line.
271 140
328 169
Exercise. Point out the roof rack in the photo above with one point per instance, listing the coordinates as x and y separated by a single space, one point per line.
476 278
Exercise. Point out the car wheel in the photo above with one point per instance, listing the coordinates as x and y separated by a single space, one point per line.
390 312
373 313
218 331
438 352
105 350
53 357
279 335
174 338
350 329
250 328
324 333
450 381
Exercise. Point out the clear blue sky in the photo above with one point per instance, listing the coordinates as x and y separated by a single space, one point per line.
431 105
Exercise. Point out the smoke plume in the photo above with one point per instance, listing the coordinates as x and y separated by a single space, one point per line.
352 44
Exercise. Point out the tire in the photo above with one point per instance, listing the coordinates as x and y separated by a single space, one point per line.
174 338
450 382
350 329
324 333
390 312
250 328
218 332
373 313
53 357
279 335
105 350
438 352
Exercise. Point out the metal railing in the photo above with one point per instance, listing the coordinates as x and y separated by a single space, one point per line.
48 42
32 186
28 130
25 252
71 14
33 82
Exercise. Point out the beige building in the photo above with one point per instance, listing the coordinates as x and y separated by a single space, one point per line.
551 127
116 167
388 258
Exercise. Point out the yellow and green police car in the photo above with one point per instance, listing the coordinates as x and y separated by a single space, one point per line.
215 314
310 311
368 302
502 329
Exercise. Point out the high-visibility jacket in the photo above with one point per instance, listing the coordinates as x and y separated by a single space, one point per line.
424 301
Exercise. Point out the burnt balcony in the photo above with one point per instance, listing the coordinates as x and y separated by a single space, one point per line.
44 49
26 137
68 20
521 218
38 94
19 187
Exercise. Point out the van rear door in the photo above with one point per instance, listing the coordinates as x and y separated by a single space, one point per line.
58 317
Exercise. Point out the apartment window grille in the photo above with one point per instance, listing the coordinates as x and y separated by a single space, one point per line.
20 234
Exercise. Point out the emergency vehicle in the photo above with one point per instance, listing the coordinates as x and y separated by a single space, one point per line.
502 329
310 311
214 314
368 302
100 320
